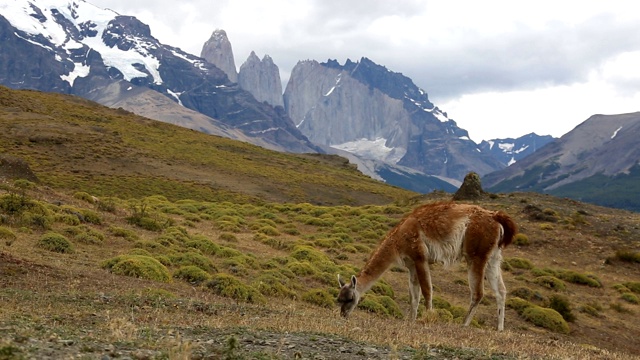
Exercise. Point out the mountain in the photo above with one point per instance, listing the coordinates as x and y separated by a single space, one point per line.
365 109
598 162
73 47
262 79
508 151
217 50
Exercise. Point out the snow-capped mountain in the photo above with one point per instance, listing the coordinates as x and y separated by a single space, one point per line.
598 161
74 47
509 151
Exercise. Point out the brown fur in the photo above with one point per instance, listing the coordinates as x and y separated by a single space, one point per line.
440 232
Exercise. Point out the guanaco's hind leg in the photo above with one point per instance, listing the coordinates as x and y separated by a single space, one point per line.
494 277
414 292
476 285
424 278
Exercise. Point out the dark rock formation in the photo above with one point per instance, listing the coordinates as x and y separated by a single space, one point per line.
471 188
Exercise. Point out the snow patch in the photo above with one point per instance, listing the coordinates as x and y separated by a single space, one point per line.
373 149
616 132
176 95
79 70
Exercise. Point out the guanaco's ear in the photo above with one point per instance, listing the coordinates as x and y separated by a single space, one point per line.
354 281
340 281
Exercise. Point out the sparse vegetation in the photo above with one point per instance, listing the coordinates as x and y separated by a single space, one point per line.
55 242
150 268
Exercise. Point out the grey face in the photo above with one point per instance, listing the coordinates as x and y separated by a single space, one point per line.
348 297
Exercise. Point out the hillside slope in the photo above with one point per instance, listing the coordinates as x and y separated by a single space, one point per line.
73 143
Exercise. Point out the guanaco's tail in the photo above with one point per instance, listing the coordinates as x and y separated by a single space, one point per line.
509 226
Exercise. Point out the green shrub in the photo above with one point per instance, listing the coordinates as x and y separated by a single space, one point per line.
229 286
275 284
519 263
55 242
123 233
562 305
81 195
550 282
192 258
140 266
368 303
381 305
633 286
527 294
192 274
382 288
546 318
302 252
204 244
630 298
302 268
628 256
228 237
521 240
7 234
269 230
87 235
580 279
319 297
518 304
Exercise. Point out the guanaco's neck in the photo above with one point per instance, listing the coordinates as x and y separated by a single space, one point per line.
381 260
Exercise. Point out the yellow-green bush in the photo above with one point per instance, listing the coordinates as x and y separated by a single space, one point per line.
518 263
319 297
123 233
521 240
630 298
633 286
7 234
546 318
55 242
580 279
550 282
308 253
192 258
139 266
229 286
203 244
274 284
302 268
192 274
381 305
382 288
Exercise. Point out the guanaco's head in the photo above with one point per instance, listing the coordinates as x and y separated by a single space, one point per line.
348 296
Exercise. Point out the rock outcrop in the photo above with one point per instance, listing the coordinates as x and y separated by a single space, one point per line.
370 111
261 79
217 50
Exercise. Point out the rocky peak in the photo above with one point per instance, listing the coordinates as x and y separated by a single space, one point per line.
262 79
217 50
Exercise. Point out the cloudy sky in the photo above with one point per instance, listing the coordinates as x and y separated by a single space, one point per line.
498 68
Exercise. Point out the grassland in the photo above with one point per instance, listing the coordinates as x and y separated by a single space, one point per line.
139 239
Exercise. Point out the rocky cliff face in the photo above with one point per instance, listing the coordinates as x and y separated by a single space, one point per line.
262 79
217 50
368 110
